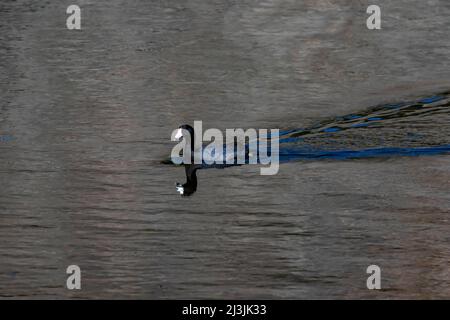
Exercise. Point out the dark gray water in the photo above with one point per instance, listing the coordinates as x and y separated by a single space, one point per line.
86 117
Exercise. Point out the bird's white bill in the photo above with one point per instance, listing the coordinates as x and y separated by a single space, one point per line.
179 134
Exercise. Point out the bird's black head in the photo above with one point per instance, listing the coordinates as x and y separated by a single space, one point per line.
188 128
184 131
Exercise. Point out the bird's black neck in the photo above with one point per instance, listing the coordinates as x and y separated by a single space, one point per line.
191 180
191 174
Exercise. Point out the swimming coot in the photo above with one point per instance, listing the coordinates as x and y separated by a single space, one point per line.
210 154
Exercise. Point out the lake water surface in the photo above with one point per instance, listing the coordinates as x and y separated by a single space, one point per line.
86 118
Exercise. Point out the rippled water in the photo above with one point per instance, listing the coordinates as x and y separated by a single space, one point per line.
86 117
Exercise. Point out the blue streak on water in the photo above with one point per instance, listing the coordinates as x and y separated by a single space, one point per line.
6 138
287 140
271 134
431 99
332 129
352 117
299 154
359 125
295 145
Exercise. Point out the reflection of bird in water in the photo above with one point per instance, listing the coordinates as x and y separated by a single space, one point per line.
190 186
